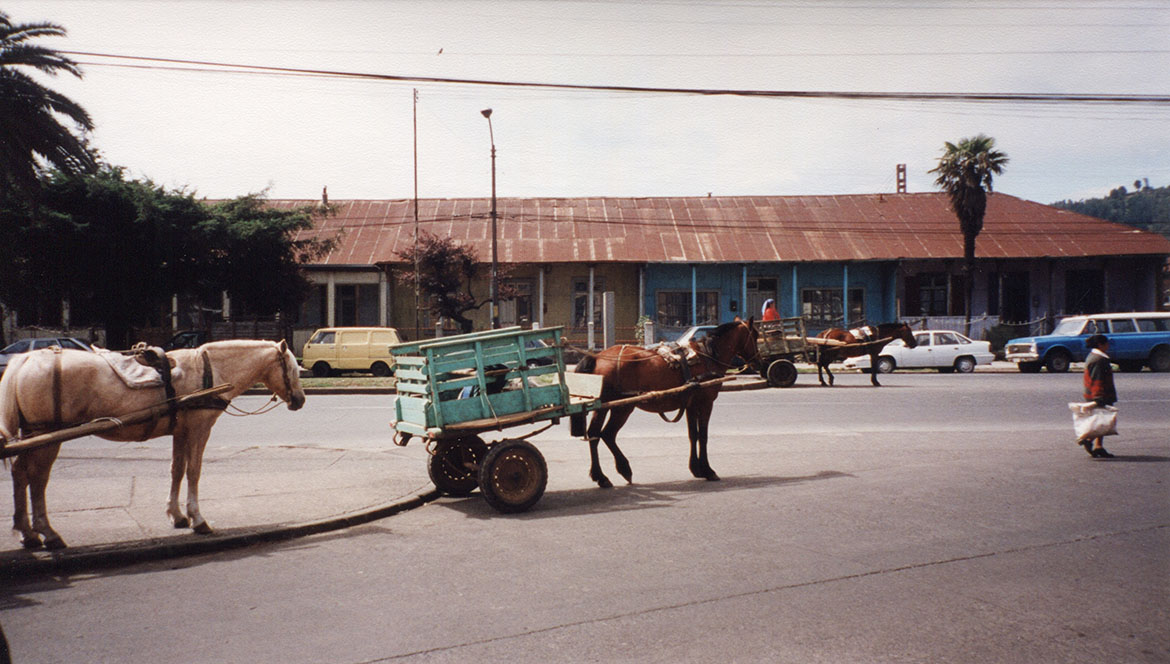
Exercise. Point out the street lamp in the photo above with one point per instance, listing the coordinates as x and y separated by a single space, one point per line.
487 113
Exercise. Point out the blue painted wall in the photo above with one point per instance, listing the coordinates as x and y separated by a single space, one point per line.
877 280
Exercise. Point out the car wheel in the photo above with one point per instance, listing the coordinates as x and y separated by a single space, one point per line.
1057 362
965 364
321 369
380 369
886 365
1160 359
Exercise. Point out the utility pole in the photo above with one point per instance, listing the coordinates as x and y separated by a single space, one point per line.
417 304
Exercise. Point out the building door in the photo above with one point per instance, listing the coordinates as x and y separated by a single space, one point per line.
760 289
1015 306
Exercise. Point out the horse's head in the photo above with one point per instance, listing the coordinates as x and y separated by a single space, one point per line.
902 331
736 339
283 377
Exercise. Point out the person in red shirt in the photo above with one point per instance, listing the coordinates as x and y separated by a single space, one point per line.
769 311
1098 387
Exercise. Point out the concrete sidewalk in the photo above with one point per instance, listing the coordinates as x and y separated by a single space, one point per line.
108 499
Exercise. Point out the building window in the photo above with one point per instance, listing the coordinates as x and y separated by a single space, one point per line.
581 301
823 307
932 294
674 308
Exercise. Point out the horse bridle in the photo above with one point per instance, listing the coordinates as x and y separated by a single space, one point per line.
706 352
275 400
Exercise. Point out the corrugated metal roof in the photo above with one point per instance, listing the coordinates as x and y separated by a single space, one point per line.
727 229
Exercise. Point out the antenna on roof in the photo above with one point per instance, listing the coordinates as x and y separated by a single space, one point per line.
901 172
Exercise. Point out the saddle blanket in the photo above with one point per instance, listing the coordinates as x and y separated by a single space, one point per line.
671 351
136 375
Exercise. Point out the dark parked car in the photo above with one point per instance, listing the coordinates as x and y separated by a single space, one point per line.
25 345
187 339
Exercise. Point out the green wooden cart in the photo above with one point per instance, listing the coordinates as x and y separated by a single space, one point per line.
453 389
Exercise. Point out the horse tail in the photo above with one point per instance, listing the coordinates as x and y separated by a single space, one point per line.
9 406
577 420
587 365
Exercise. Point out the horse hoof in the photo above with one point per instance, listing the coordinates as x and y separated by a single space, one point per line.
31 542
712 477
202 528
604 483
182 522
54 544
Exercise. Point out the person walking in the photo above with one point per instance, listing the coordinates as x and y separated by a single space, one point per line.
1098 388
769 311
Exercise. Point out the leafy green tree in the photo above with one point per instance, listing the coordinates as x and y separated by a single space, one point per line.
30 125
119 250
965 172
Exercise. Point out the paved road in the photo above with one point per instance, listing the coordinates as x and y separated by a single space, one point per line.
941 518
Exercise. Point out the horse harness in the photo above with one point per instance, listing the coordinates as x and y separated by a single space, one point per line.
157 359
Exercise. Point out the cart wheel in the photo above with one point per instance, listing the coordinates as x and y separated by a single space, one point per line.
781 373
513 476
454 466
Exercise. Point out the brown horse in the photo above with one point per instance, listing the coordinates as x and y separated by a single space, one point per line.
633 370
53 388
874 338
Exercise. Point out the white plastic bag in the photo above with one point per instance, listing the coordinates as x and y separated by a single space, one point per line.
1093 421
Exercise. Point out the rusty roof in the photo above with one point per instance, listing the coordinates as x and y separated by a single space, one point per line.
722 229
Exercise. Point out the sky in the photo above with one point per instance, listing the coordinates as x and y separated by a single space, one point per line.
222 134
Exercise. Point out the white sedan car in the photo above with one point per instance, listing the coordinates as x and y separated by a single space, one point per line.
945 350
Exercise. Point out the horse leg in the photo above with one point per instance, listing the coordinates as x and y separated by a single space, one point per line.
196 443
617 419
20 523
594 436
41 463
828 372
698 415
178 469
873 369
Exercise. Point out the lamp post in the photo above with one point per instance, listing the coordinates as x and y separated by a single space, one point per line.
487 113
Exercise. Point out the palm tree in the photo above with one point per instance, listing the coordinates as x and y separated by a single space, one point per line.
964 173
30 130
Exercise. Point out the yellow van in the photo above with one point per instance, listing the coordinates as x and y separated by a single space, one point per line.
333 349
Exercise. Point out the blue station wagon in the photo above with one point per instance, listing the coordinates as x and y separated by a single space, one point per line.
1136 340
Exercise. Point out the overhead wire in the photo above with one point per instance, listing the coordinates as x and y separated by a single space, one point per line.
964 97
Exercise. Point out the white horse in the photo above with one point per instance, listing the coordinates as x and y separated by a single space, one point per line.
52 388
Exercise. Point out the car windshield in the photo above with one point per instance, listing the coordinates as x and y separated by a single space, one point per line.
1069 326
323 338
16 347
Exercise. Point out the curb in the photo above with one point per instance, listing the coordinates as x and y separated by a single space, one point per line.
95 557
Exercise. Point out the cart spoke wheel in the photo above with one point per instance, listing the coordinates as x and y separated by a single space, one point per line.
513 476
454 465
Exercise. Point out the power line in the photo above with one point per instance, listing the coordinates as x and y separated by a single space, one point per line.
980 97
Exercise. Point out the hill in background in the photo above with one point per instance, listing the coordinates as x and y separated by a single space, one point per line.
1146 207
